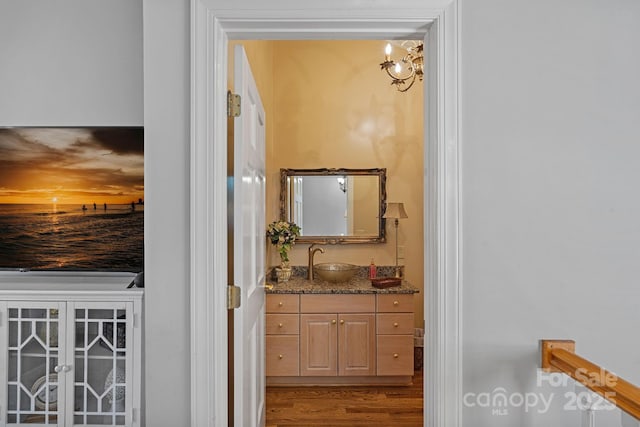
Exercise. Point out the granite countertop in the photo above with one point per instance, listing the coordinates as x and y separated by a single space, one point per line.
298 284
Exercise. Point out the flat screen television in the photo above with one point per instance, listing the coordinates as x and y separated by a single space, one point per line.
72 198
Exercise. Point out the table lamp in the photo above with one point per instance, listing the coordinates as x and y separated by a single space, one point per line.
395 211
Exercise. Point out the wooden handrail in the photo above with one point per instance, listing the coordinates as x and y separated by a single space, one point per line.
560 356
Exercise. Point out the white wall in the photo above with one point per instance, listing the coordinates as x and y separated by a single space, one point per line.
80 63
71 63
166 119
325 207
551 121
551 106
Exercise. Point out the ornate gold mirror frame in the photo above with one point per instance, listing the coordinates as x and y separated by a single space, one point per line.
286 197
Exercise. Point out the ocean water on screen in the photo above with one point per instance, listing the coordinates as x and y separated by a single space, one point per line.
68 237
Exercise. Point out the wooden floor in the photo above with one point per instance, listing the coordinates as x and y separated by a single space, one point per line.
346 406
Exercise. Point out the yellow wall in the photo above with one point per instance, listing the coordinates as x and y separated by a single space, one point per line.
328 104
365 206
260 55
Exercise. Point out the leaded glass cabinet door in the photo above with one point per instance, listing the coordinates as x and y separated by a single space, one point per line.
34 360
101 393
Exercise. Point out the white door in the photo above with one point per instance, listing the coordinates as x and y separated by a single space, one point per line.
249 248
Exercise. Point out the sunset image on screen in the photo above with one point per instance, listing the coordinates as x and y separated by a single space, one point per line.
72 198
71 166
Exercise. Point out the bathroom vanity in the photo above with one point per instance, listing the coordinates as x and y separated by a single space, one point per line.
321 333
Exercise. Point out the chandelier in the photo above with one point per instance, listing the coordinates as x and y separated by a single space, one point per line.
404 72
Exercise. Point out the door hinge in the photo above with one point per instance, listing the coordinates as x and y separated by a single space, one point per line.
233 297
233 104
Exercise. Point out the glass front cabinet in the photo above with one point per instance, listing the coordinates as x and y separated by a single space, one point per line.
73 362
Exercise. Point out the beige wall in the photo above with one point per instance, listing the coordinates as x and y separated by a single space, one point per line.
329 105
260 55
365 192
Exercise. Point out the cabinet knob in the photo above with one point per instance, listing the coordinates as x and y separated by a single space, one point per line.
333 322
280 356
395 303
58 369
342 321
279 325
280 304
395 355
395 324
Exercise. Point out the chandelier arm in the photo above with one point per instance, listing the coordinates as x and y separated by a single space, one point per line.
397 77
413 63
409 86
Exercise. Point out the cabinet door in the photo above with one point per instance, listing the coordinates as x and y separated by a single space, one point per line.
282 356
31 374
356 344
101 340
395 355
318 339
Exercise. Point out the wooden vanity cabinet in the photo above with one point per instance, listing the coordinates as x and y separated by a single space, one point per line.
395 334
282 336
339 339
339 343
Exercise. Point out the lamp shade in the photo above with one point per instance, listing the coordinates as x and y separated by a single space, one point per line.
395 210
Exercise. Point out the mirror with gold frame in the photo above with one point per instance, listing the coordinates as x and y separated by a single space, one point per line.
335 206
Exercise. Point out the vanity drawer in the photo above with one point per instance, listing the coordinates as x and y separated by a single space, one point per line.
395 355
337 303
282 303
282 324
282 356
395 303
394 323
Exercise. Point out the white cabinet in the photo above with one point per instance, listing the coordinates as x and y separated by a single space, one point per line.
70 355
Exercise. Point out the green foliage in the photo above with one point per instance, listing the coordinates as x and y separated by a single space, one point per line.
282 234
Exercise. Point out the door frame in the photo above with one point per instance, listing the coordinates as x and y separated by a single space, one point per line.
213 24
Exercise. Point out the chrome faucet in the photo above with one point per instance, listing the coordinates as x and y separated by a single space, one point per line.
312 252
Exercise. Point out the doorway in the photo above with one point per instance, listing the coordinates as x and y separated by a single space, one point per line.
212 27
329 105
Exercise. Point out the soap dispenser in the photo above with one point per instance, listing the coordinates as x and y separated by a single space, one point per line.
372 270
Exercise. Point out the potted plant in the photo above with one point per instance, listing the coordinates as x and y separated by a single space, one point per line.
282 234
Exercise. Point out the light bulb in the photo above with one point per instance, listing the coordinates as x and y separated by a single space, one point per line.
398 68
387 52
